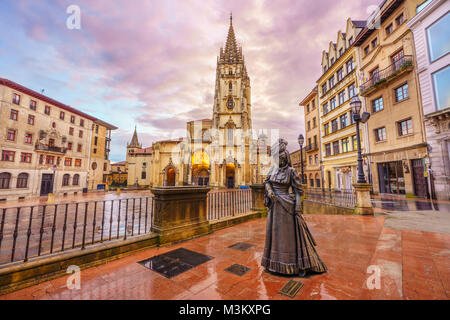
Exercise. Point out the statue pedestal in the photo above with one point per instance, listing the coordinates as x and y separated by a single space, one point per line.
257 197
363 203
180 212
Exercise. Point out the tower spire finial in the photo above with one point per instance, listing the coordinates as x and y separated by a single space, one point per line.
231 17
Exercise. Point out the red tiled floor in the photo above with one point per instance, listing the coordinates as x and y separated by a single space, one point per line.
412 264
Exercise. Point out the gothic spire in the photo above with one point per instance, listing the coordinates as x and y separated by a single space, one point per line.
134 141
231 53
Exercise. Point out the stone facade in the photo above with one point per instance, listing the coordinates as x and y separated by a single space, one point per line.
45 144
436 111
390 89
219 152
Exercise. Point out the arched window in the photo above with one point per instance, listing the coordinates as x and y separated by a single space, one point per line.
311 180
230 136
317 180
76 179
22 180
230 86
66 179
5 178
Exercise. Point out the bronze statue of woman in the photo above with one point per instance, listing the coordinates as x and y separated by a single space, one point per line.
289 247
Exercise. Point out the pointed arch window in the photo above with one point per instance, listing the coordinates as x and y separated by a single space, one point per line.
230 86
230 136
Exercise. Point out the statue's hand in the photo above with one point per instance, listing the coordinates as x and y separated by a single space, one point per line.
272 195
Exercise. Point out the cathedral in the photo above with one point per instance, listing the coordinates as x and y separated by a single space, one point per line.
219 152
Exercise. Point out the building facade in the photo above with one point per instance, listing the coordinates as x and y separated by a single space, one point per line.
118 174
390 90
45 144
430 27
296 163
220 152
312 148
336 86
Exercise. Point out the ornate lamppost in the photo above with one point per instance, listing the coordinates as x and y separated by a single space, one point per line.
301 139
355 105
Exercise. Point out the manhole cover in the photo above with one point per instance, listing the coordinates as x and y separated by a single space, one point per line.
238 269
173 263
291 288
241 246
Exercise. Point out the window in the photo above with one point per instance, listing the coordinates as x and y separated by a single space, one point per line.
326 128
374 42
400 19
336 147
71 131
380 134
324 88
144 175
105 166
328 149
76 179
401 93
438 39
28 138
354 143
77 162
313 103
331 82
230 86
397 60
345 145
41 159
61 115
441 83
341 97
11 136
25 157
50 160
81 122
340 74
325 108
310 160
350 41
69 146
51 142
47 110
307 108
351 91
96 128
5 178
95 150
53 124
389 29
95 140
65 181
72 119
14 114
374 75
334 125
377 104
32 105
16 98
366 50
405 127
309 125
68 162
80 134
79 148
314 122
316 159
30 119
349 65
333 103
22 180
344 121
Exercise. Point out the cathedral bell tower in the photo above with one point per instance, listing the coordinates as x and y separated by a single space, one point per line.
232 112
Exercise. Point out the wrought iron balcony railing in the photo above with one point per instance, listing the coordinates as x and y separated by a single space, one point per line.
311 147
41 147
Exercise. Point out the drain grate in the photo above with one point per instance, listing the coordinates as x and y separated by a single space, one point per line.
238 269
241 246
291 288
173 263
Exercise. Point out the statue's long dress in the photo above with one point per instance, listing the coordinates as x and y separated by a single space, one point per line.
289 244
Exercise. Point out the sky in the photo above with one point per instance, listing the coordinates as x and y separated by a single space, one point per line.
151 63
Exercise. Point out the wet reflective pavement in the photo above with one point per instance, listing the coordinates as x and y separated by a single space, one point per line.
413 265
402 204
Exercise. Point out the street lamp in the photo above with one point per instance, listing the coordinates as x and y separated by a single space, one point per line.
301 139
355 106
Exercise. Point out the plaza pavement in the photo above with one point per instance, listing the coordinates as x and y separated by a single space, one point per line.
413 264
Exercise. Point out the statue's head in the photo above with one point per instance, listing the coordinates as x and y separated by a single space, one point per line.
280 154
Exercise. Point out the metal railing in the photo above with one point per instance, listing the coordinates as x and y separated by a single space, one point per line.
50 148
342 198
35 231
311 147
229 203
383 75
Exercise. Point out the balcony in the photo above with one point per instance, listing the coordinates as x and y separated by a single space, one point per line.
43 147
311 147
403 65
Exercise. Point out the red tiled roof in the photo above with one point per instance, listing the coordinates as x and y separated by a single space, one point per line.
144 151
121 163
18 87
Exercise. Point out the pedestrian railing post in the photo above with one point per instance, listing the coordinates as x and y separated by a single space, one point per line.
16 233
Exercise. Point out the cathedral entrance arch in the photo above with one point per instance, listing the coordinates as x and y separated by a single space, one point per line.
200 168
170 176
230 176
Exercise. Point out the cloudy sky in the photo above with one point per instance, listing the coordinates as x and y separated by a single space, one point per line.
151 63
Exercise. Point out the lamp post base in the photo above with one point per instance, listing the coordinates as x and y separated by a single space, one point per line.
363 203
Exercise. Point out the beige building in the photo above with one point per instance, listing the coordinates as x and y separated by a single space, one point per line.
118 174
220 152
312 147
45 144
336 86
392 96
295 159
99 166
